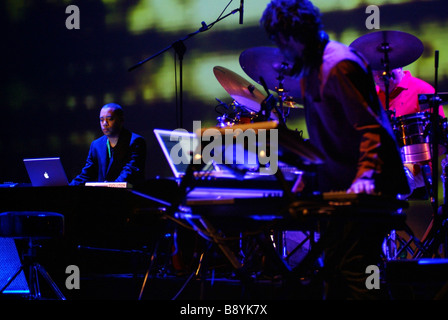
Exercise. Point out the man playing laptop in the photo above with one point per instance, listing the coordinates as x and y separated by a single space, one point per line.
118 156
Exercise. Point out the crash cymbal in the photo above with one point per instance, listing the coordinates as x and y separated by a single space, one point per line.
244 92
402 48
269 63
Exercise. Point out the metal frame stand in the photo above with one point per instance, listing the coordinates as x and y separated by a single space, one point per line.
34 269
437 232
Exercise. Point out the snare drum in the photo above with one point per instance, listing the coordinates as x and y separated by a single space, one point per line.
413 133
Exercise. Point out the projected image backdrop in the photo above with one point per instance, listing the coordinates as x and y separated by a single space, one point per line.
55 80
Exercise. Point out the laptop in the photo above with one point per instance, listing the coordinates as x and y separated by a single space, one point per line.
46 172
178 148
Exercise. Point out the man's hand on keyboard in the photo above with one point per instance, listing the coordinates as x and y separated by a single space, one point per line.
362 186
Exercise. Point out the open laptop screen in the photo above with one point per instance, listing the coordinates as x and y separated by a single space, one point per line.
46 172
178 148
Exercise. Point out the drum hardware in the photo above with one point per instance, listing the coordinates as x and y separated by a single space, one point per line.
268 65
414 134
437 231
270 104
388 50
426 101
436 235
398 48
241 90
427 178
247 98
234 114
290 103
281 111
423 153
394 49
386 73
396 247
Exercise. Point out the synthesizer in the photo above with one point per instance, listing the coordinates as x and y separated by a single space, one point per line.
126 185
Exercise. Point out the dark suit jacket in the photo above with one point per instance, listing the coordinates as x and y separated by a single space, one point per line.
126 165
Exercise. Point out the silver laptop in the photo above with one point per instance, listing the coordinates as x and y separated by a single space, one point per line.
46 172
179 145
178 148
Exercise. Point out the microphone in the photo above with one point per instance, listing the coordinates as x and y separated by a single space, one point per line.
241 11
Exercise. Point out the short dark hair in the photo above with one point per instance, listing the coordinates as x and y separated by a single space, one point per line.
118 110
297 18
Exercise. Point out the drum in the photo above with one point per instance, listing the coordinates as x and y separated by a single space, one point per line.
237 114
413 133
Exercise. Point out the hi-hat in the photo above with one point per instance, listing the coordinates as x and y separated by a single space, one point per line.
244 92
401 48
269 63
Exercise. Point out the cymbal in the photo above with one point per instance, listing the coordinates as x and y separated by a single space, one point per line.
269 63
239 88
402 48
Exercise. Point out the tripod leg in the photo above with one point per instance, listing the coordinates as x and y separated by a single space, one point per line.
148 271
34 283
50 281
11 279
435 236
427 178
224 248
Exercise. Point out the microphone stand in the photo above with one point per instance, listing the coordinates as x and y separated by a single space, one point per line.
437 232
180 49
386 76
435 138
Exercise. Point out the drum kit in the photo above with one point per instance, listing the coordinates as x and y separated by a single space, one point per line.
267 67
388 50
422 136
384 50
417 134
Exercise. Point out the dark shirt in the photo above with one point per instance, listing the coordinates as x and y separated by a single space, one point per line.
126 164
349 126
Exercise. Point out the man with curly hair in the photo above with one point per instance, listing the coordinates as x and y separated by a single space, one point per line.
349 126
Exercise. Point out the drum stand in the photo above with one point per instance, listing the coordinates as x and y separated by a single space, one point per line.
435 240
436 235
